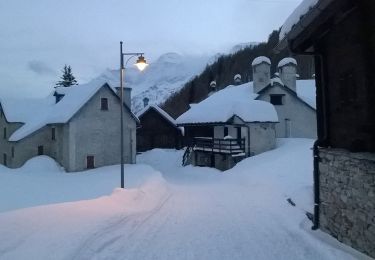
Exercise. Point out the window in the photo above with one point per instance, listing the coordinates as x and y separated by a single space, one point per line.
239 133
5 133
104 103
276 100
5 159
53 133
90 162
12 151
225 131
40 150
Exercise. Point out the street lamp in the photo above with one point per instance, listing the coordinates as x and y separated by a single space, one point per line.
141 65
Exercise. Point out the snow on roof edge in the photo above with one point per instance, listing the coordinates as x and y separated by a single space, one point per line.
287 61
301 10
261 59
161 111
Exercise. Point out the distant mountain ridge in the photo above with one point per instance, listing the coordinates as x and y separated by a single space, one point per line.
165 76
226 66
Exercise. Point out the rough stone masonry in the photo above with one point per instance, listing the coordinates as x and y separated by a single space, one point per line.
347 195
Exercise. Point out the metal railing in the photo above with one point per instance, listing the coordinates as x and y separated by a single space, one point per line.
217 145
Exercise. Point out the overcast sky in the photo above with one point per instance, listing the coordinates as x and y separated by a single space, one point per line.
37 37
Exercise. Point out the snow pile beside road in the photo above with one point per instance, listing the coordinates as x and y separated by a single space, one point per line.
41 163
80 221
42 181
271 171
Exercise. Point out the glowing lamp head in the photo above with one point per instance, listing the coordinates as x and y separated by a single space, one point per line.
141 63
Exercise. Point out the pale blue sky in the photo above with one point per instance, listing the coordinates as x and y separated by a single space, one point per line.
38 37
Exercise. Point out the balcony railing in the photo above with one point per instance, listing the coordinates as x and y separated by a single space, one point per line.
216 145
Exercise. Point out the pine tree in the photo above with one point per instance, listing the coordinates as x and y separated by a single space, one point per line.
67 79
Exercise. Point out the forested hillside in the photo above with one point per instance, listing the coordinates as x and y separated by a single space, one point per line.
224 69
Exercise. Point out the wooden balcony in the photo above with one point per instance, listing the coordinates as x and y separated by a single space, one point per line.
215 145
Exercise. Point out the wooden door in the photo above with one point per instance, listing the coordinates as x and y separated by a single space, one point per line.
90 162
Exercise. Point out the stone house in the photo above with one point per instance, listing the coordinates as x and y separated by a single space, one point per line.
78 126
340 34
158 129
227 127
293 99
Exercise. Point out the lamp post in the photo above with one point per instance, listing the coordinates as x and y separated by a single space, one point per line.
141 65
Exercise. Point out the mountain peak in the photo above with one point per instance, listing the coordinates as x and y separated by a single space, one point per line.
170 57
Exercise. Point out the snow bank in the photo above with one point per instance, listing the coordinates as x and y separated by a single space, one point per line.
260 60
42 164
41 181
294 18
62 231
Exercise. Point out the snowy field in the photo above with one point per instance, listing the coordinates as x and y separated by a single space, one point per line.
167 211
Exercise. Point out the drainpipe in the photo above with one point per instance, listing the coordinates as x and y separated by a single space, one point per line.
248 140
322 140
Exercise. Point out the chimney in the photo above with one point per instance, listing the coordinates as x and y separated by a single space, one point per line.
288 72
237 79
145 102
58 94
212 88
261 73
127 96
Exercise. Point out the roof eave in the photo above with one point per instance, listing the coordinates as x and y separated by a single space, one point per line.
301 25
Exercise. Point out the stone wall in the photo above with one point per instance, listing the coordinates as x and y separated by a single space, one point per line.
347 195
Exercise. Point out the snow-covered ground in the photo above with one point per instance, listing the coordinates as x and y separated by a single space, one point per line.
167 212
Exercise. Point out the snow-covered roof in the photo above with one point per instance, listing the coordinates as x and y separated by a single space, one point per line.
160 111
21 111
297 14
260 60
306 90
239 100
276 80
231 101
287 61
237 76
63 90
46 111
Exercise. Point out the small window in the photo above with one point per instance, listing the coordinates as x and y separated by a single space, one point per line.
40 150
5 133
104 103
90 162
225 131
5 159
276 100
12 151
53 133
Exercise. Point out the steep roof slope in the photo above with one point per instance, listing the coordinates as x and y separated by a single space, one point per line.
45 111
231 101
160 111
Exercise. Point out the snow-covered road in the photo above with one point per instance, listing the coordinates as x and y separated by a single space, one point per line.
199 213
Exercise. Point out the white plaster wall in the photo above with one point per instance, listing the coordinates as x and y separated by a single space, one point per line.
302 117
96 132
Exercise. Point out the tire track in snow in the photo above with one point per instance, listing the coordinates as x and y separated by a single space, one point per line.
116 231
